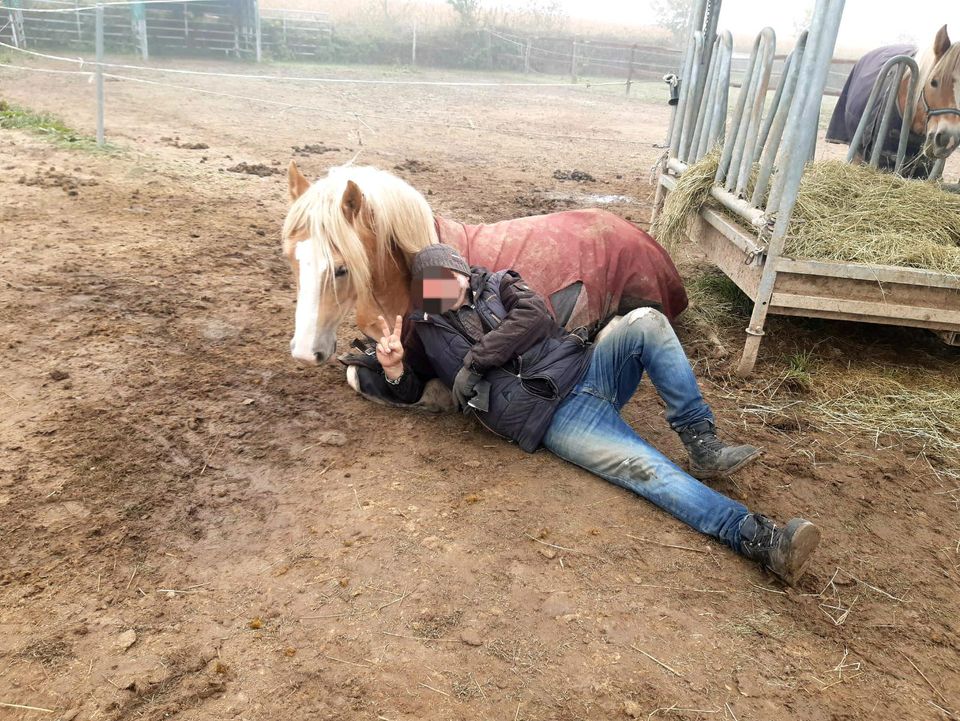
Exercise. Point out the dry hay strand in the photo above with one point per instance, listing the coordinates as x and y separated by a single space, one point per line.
692 190
846 213
906 405
856 214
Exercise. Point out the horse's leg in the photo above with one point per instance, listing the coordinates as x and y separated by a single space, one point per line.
564 301
436 397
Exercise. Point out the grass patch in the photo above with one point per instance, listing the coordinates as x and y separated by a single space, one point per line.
798 375
716 300
44 124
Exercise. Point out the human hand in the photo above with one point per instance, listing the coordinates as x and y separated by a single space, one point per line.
390 349
464 387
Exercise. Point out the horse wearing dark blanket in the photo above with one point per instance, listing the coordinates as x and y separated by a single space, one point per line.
934 132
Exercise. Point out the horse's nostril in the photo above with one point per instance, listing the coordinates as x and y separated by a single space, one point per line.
940 139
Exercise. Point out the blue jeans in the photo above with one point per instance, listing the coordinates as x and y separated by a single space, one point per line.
587 429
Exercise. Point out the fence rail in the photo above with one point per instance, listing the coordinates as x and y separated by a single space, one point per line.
240 29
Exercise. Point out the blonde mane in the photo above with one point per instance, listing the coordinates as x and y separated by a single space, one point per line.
947 67
393 214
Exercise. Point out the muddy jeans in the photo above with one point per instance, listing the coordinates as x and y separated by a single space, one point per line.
587 429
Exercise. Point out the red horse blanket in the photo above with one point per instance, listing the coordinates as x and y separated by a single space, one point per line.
620 266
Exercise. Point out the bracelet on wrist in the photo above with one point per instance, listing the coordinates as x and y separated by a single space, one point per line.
395 381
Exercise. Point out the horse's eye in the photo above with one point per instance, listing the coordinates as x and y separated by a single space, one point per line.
340 271
934 83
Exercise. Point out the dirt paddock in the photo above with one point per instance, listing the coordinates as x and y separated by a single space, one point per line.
195 527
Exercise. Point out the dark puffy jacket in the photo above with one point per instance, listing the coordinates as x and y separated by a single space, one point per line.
530 362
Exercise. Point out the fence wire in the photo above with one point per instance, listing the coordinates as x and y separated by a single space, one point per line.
345 115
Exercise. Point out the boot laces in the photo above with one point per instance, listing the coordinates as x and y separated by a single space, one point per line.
710 441
707 438
765 533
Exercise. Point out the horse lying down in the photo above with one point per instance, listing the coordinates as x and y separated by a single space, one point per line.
349 238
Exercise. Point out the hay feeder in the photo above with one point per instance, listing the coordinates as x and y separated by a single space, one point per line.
766 145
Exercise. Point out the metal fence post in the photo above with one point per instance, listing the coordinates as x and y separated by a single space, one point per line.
13 30
99 75
76 5
256 30
573 63
413 46
633 50
16 25
139 16
526 56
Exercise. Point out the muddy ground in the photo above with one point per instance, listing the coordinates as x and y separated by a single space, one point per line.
195 527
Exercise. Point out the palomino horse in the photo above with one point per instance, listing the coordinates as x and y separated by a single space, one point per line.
935 130
350 237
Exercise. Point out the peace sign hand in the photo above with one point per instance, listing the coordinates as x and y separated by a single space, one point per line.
390 349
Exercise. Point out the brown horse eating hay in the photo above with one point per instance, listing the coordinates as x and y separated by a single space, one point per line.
935 129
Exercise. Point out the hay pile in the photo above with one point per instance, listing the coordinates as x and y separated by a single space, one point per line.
845 213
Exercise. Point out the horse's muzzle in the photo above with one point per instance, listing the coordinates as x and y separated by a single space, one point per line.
942 143
312 356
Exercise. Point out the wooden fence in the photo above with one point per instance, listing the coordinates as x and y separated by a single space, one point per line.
240 29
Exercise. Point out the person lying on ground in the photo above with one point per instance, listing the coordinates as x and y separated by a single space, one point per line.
494 343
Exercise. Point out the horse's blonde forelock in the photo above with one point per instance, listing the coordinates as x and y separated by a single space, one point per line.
942 68
392 211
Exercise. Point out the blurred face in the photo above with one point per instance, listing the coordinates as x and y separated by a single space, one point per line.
441 290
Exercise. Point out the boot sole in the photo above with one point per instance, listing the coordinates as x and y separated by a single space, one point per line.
706 474
804 539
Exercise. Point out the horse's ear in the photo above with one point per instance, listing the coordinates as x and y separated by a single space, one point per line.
941 43
297 181
352 200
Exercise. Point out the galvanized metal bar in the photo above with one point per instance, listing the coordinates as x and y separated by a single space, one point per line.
937 171
748 146
723 91
896 75
748 88
801 127
698 13
908 113
807 68
773 141
708 103
101 140
696 21
680 111
737 120
708 26
775 105
738 206
738 140
693 106
871 100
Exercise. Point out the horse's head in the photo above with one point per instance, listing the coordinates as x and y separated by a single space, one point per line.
348 237
938 116
323 243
